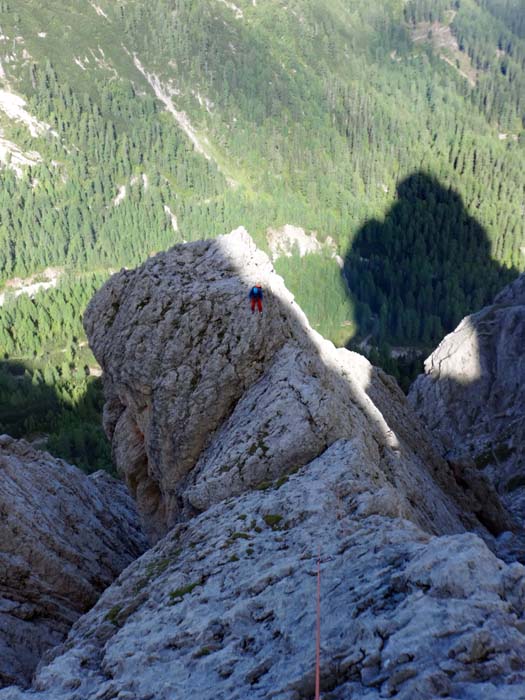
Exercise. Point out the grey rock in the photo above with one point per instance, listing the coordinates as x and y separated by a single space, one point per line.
251 443
64 537
224 606
207 401
472 395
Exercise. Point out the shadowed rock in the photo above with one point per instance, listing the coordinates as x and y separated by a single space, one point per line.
472 394
64 537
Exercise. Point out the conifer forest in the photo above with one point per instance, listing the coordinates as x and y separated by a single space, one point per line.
393 130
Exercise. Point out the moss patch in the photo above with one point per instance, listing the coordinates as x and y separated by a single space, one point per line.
280 482
273 520
155 568
112 615
203 651
178 594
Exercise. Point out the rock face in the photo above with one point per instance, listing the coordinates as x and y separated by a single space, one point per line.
223 608
64 537
472 395
254 442
207 401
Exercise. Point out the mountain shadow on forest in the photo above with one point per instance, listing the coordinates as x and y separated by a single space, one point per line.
417 273
52 418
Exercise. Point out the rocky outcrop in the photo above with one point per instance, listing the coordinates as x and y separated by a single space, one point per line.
289 240
472 395
206 401
253 442
64 537
223 608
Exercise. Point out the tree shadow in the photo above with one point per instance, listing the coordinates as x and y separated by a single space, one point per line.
34 408
418 272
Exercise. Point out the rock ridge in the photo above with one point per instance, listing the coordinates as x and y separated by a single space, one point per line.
206 400
250 442
223 607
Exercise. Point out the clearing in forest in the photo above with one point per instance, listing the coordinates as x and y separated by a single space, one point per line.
446 46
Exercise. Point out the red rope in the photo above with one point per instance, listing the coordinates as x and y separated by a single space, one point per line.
318 644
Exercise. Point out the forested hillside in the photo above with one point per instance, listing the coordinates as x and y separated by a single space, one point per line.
395 128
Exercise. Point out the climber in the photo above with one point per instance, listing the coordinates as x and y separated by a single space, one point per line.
256 296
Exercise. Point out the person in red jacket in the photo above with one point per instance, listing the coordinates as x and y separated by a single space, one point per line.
256 297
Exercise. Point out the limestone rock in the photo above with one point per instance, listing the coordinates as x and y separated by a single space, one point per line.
206 401
472 395
249 443
223 608
287 240
64 537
